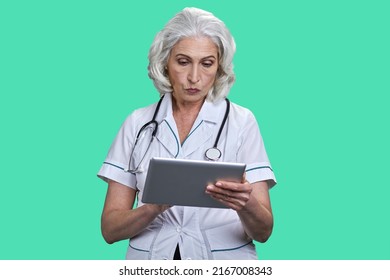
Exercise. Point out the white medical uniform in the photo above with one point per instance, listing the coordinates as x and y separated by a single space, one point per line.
202 233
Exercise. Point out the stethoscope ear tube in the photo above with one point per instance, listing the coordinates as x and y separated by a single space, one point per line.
155 114
214 153
152 121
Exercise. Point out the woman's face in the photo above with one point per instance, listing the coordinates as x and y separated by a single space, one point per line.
192 68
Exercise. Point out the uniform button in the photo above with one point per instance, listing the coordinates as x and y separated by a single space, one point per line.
178 229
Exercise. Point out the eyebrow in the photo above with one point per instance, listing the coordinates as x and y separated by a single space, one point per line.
207 57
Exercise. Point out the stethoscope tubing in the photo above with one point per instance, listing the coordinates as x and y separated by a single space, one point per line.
212 153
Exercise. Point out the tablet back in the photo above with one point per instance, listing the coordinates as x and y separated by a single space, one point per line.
183 182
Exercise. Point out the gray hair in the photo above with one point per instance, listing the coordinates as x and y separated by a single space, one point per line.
193 22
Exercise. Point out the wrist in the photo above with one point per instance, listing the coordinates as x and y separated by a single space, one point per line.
155 209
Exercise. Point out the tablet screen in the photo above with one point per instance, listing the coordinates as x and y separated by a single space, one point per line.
183 182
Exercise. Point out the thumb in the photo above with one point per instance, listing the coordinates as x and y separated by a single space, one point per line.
243 178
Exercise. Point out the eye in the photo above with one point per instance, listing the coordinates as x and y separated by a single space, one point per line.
208 63
182 61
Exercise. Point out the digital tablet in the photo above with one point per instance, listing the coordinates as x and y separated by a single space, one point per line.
183 182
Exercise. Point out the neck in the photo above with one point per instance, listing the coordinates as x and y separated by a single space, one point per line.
186 108
185 115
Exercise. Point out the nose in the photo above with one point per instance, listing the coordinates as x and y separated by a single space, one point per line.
193 75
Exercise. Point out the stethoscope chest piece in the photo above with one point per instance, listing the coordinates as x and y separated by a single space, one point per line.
213 154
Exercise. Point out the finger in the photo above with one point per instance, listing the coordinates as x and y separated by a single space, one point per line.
242 196
228 201
235 197
211 189
234 186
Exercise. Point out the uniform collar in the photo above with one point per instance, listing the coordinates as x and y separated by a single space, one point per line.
211 112
168 136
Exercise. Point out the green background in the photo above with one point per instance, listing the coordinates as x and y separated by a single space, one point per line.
315 74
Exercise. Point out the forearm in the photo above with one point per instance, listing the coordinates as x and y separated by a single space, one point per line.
124 224
257 220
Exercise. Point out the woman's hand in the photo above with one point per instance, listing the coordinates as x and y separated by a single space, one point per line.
252 203
232 194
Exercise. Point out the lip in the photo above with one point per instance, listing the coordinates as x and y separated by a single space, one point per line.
192 90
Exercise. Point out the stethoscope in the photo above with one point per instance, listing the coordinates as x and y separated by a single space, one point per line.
212 154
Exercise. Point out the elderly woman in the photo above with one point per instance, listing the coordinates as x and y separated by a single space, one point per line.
190 63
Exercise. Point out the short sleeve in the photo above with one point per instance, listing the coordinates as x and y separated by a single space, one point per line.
252 152
117 159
